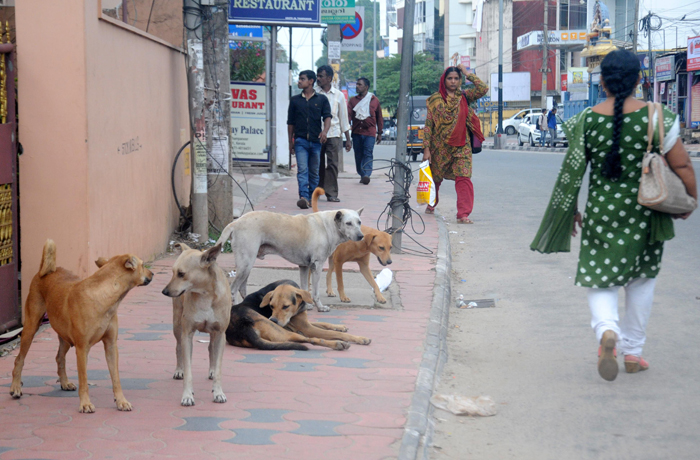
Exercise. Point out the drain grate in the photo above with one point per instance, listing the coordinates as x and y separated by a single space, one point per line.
480 303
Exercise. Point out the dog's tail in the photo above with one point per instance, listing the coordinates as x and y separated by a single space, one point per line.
314 198
225 235
242 330
48 259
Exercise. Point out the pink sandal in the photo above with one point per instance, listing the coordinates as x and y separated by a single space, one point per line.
430 210
465 220
634 364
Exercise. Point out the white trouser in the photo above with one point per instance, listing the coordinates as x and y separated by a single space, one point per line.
631 331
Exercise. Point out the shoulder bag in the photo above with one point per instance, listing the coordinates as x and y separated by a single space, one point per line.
660 188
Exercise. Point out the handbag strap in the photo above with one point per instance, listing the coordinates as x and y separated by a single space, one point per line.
660 111
650 127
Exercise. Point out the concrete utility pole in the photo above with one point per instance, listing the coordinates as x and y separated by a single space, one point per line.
498 141
195 81
635 29
217 106
545 54
272 133
374 42
402 121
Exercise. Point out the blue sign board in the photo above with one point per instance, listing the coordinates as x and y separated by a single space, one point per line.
277 12
245 31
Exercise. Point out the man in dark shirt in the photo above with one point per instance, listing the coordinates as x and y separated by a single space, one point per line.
367 123
308 122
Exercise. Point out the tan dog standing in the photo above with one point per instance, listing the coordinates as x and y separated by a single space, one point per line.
201 302
374 242
82 312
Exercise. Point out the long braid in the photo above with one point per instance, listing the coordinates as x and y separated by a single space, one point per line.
619 71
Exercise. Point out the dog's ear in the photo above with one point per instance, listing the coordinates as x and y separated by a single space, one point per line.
266 300
183 247
338 216
100 262
305 296
131 263
359 211
210 255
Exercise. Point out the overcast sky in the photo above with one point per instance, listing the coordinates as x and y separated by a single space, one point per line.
670 12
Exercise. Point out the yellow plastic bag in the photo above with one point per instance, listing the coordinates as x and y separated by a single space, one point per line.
426 187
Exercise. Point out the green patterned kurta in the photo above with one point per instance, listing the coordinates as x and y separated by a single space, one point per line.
621 240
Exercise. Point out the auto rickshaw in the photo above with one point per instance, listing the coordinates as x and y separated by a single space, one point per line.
418 112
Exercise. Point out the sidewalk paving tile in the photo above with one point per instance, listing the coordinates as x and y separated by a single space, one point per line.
314 404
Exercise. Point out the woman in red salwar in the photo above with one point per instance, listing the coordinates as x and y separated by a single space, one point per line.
446 137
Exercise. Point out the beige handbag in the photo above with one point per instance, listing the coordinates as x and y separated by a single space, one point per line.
660 188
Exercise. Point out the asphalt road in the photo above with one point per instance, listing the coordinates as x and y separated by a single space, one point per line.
535 353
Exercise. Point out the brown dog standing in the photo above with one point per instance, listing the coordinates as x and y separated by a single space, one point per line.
201 302
374 242
82 313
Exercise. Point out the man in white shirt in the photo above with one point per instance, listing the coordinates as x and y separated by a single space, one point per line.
340 124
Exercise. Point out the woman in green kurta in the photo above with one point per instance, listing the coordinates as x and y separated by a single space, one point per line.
621 241
446 137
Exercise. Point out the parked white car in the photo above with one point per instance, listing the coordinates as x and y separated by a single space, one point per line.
511 125
528 132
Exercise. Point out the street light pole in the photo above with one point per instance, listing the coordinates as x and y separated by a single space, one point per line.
374 42
498 140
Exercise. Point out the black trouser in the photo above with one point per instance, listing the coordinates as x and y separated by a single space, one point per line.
329 168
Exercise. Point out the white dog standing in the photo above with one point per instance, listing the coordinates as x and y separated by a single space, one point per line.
305 240
201 302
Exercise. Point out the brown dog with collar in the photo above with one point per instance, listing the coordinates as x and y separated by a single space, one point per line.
82 312
374 242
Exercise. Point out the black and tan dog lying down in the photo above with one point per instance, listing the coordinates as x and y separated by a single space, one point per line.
274 318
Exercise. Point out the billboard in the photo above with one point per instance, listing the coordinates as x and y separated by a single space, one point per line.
516 86
557 39
694 53
279 12
665 68
337 11
249 121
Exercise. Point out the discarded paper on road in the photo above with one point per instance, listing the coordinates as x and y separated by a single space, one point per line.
465 405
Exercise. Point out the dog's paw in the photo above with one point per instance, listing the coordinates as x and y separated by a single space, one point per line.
363 340
341 329
380 298
323 308
87 408
187 400
344 298
211 375
69 386
219 398
124 405
16 392
330 293
178 375
340 345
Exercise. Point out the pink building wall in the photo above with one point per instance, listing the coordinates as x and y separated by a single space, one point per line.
87 89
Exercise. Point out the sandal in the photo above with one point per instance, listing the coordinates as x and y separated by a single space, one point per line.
465 220
430 210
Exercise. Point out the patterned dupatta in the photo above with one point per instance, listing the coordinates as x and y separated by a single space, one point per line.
456 115
554 234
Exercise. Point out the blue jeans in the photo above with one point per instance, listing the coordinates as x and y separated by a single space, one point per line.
363 147
308 158
543 137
